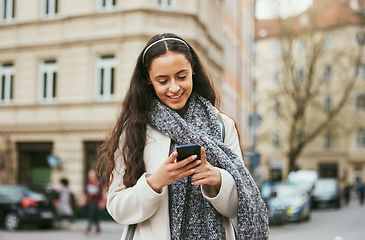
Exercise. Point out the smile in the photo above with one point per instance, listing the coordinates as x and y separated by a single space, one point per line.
175 97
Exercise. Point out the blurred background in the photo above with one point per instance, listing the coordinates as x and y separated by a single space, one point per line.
291 73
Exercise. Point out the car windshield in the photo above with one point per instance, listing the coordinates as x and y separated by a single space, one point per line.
285 191
325 186
36 196
9 193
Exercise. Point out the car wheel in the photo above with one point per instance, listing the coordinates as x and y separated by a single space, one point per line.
308 217
12 221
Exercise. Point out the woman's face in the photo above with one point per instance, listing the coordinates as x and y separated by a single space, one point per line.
172 78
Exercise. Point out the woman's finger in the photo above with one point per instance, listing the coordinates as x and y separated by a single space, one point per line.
189 172
186 161
172 157
200 182
203 157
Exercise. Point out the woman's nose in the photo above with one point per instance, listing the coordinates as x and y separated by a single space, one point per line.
174 86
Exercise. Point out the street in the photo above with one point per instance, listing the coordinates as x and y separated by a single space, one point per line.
325 224
110 230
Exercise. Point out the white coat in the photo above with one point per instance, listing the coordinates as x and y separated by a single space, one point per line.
150 210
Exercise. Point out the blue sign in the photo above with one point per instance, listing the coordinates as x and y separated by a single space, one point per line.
255 159
53 161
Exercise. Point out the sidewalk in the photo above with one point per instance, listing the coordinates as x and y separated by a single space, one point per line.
79 225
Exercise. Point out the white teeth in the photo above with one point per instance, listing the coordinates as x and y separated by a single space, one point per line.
174 97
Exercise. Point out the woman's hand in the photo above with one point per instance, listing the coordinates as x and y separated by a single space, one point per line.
170 171
207 175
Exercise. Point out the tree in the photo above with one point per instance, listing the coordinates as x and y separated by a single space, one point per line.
316 73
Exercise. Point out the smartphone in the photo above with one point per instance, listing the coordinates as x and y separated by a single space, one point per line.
185 151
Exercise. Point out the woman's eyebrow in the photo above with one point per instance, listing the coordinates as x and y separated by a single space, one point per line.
164 76
161 76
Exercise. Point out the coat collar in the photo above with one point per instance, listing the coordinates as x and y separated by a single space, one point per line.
156 150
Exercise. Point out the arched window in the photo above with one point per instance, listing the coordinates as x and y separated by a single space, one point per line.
276 141
360 102
360 138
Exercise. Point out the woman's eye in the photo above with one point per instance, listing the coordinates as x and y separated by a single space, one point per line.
182 77
162 81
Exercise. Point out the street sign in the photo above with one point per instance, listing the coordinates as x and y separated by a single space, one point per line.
255 159
255 120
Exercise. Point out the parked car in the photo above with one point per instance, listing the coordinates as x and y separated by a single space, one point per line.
304 179
19 205
276 210
326 193
286 203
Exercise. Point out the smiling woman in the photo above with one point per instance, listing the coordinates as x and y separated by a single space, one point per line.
171 102
172 78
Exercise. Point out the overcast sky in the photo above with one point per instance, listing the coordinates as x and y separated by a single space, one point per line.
266 9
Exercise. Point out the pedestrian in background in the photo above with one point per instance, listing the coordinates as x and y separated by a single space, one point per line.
65 203
171 101
347 193
361 193
93 196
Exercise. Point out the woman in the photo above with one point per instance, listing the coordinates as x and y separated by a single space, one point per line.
93 196
170 102
65 201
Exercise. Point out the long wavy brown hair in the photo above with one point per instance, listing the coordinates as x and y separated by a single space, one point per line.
133 117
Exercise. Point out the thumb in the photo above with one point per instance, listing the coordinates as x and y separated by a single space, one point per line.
203 157
172 157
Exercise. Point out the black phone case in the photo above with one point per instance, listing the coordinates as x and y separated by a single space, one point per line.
185 151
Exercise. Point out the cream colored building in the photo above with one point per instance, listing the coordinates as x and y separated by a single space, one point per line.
236 88
341 156
65 66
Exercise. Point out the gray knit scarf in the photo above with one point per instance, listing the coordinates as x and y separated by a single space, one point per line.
191 215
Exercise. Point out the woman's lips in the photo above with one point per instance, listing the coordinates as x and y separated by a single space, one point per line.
175 98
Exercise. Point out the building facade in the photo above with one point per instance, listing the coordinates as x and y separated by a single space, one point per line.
65 66
337 148
236 87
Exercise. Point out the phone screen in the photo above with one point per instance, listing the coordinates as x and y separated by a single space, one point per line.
185 151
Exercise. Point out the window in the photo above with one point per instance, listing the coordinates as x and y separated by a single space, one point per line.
328 170
301 49
327 73
7 83
327 140
7 10
327 104
328 43
276 141
277 108
360 38
278 49
49 9
166 5
360 138
360 102
105 77
278 76
300 76
47 81
361 71
106 5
